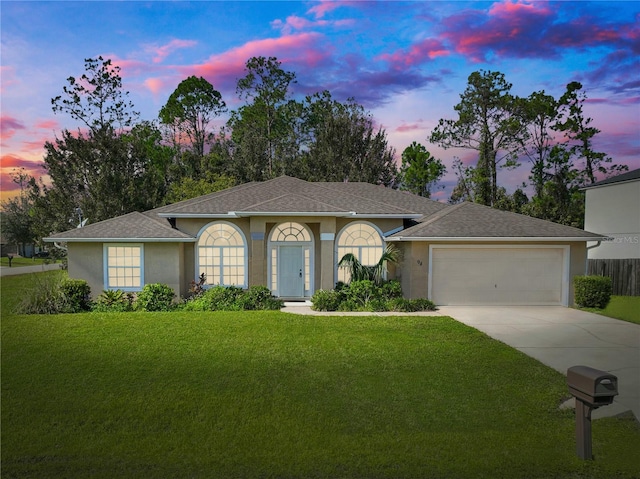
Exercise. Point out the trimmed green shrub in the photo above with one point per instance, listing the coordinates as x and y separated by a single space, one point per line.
77 293
259 298
113 301
155 297
326 300
592 291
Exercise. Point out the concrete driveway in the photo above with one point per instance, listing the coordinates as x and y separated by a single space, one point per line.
556 336
564 337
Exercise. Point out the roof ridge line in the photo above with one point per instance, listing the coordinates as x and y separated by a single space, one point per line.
442 213
275 198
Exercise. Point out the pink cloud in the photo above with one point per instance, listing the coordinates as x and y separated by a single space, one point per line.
7 75
508 29
47 125
325 6
10 165
635 100
36 145
12 161
224 69
155 85
133 68
531 29
9 125
295 22
427 49
161 52
409 128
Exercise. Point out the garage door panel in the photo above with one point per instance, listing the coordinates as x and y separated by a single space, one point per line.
497 275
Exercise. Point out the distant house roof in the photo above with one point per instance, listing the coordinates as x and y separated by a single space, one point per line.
286 196
624 177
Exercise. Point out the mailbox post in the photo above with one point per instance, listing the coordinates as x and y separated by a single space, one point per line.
592 388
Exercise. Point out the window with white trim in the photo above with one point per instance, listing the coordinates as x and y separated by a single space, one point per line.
124 266
222 255
362 240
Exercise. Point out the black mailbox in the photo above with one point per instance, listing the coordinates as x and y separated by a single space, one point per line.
592 386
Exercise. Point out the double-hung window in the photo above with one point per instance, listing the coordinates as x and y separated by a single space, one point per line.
124 266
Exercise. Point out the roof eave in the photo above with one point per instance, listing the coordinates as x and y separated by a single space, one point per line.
612 183
496 239
338 214
120 240
230 214
412 216
245 214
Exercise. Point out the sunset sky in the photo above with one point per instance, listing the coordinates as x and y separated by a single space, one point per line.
406 62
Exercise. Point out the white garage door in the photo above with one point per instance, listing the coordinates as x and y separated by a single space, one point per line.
498 275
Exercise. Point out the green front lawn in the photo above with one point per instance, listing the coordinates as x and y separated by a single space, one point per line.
626 308
268 394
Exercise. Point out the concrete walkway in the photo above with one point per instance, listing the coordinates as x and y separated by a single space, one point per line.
36 268
558 337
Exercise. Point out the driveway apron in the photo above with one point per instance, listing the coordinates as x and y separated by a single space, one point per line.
563 337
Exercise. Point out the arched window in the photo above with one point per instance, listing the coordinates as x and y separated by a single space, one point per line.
222 255
290 232
364 241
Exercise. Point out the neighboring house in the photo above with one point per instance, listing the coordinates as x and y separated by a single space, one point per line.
612 207
289 235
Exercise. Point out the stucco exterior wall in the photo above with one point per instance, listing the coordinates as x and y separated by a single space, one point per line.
163 263
614 211
413 270
85 262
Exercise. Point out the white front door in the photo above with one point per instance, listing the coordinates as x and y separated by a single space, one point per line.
291 271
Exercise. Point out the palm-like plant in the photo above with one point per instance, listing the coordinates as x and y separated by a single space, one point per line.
377 272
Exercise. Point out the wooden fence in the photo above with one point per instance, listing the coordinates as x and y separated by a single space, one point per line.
624 274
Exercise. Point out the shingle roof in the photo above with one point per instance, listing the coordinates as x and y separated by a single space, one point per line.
409 201
132 226
292 196
287 195
471 220
628 176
